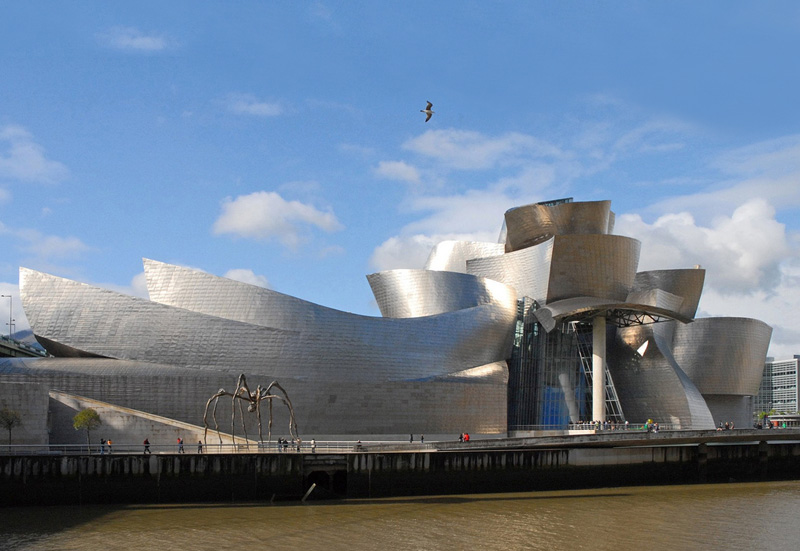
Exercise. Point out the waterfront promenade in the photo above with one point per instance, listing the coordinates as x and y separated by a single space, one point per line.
380 469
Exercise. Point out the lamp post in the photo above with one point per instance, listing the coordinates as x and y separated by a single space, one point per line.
10 313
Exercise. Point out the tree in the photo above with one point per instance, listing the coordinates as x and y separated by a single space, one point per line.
87 419
9 419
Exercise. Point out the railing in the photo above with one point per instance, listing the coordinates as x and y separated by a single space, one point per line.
597 427
320 447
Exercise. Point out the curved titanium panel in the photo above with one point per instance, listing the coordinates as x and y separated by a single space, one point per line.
416 293
531 224
527 270
658 299
334 346
601 266
226 298
444 405
452 256
686 283
723 355
653 386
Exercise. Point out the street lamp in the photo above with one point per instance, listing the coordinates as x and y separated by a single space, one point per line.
10 313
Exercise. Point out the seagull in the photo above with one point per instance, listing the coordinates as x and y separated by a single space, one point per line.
427 111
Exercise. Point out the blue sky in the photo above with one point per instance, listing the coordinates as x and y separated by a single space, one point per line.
281 143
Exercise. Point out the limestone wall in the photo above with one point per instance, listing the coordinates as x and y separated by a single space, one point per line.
30 401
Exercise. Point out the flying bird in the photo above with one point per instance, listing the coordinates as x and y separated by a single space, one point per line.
427 111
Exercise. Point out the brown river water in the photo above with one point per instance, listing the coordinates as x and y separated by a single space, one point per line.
747 516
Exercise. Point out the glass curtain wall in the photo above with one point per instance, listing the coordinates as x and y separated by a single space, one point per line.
546 389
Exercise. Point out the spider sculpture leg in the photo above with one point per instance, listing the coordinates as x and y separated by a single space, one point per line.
269 426
241 413
256 406
285 399
215 398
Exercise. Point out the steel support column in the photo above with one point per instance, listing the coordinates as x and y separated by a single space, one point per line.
598 368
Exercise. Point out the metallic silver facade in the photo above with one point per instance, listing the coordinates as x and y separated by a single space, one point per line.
653 385
721 358
687 284
723 355
357 361
452 256
527 271
322 407
364 348
566 266
417 293
436 362
531 224
593 265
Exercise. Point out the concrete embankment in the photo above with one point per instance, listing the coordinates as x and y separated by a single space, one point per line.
502 466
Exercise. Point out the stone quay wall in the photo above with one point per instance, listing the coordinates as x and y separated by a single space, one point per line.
264 477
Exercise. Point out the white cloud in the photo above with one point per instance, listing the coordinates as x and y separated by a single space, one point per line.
266 215
752 264
653 136
476 215
25 160
742 252
397 170
475 212
357 150
137 287
469 150
403 252
331 250
46 246
245 104
247 276
768 170
771 158
52 246
134 40
43 248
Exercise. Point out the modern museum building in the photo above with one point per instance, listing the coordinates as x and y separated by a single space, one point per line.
551 326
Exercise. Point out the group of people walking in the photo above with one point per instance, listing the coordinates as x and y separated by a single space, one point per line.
608 424
283 444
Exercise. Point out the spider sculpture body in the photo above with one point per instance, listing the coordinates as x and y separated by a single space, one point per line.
253 399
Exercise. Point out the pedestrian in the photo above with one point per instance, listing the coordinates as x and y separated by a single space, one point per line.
180 445
466 437
102 446
461 437
109 445
299 442
313 445
411 438
146 445
422 439
199 446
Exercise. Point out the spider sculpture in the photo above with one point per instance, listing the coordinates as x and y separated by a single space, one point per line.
253 399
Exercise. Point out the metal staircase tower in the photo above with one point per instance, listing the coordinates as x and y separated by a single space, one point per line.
584 338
